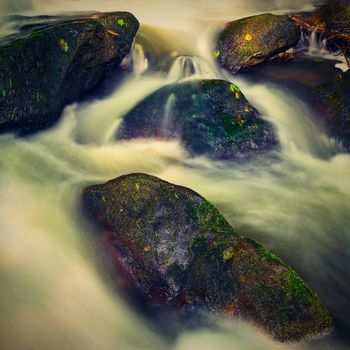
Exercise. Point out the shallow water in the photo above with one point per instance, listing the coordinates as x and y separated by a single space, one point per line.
295 201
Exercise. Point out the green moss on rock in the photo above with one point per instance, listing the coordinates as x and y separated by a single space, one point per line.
175 249
44 69
210 117
250 41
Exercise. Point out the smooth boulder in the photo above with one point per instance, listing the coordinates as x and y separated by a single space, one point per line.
177 251
247 42
334 95
210 117
48 66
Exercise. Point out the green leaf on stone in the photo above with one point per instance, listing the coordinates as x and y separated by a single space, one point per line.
234 88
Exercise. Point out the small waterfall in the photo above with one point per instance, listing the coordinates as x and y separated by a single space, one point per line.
167 113
190 66
139 60
136 60
313 42
317 44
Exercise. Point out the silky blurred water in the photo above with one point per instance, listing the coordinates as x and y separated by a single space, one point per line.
53 294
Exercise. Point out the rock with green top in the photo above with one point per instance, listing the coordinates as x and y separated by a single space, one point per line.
183 258
210 117
335 97
247 42
50 65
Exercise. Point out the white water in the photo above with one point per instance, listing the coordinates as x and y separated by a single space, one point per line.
317 46
53 296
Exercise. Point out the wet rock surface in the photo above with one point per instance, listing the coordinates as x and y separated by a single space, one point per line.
335 96
179 253
56 60
247 42
210 117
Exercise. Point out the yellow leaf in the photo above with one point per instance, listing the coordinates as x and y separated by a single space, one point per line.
63 45
248 37
228 253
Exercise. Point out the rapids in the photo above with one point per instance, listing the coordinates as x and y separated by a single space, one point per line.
53 294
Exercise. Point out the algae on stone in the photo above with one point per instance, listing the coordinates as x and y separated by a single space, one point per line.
247 42
177 251
210 117
48 67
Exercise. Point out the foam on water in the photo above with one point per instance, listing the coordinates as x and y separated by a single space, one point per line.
53 294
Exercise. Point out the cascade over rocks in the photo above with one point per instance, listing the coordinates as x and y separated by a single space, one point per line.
49 66
332 21
177 251
210 117
247 42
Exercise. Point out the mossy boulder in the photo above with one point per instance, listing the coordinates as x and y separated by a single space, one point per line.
51 65
335 96
211 117
175 248
247 42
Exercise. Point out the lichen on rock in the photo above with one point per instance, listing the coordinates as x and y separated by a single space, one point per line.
43 69
247 42
177 251
210 117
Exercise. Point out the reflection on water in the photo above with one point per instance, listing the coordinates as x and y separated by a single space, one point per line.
297 201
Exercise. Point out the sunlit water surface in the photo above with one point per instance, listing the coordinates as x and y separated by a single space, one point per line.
295 201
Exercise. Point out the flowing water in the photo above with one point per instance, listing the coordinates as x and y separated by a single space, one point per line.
295 201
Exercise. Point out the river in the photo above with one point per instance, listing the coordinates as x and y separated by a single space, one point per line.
53 294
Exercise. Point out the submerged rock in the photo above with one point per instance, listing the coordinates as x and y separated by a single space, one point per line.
174 247
247 42
335 96
211 117
51 65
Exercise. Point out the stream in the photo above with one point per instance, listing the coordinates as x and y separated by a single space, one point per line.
296 201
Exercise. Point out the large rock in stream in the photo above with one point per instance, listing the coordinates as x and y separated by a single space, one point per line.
247 42
48 66
175 248
210 117
334 95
